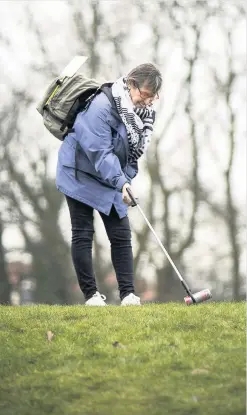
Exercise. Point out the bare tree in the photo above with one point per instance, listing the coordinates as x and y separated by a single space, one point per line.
4 283
225 92
188 30
175 194
35 191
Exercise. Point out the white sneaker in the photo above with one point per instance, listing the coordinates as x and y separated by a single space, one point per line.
97 300
131 299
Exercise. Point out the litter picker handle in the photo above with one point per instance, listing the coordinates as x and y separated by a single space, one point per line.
185 285
133 199
135 203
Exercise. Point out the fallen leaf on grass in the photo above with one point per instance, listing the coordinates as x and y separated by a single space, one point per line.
117 344
194 398
199 372
50 335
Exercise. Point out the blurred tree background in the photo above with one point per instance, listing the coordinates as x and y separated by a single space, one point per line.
191 183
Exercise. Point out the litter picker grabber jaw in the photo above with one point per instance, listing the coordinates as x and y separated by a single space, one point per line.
196 298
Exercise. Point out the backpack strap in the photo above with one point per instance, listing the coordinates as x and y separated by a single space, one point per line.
106 88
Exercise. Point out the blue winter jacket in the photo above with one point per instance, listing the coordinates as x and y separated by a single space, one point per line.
101 158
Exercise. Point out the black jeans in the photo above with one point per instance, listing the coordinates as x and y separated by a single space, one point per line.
119 234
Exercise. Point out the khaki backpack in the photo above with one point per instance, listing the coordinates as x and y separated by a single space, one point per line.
66 96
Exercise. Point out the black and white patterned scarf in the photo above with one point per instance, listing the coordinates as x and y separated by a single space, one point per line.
138 121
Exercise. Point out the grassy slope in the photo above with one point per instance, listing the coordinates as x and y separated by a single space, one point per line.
150 372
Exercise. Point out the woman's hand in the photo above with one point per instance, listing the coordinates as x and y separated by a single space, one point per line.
126 198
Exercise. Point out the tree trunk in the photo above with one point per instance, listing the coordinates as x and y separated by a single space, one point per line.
169 288
5 288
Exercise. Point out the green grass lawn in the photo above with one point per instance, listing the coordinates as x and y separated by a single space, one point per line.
150 360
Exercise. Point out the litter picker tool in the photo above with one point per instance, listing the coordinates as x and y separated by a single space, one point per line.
196 298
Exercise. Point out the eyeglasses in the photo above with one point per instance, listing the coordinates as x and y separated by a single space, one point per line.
145 95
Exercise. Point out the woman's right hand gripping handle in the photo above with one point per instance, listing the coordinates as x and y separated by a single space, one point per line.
128 197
